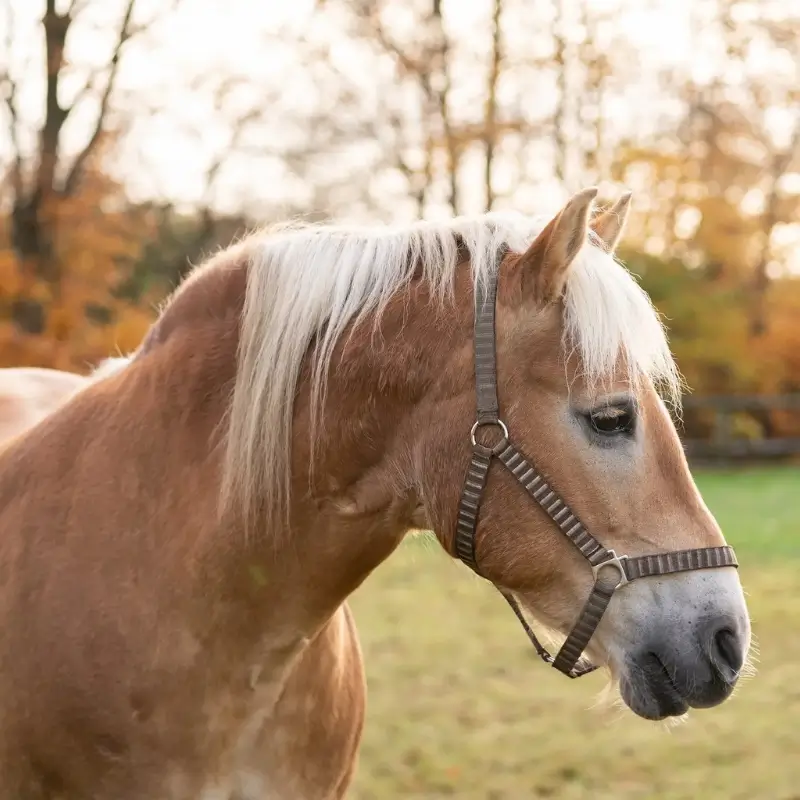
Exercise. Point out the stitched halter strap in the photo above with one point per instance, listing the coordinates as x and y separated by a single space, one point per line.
610 570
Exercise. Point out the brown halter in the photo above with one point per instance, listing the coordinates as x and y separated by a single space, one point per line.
622 569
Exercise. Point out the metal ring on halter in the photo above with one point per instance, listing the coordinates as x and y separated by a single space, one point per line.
615 561
478 424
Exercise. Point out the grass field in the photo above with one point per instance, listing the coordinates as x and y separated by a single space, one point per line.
459 706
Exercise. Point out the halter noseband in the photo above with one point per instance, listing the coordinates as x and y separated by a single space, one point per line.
619 570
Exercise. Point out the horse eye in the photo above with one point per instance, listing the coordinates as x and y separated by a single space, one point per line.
612 420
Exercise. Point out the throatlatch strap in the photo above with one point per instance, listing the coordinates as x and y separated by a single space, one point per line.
540 650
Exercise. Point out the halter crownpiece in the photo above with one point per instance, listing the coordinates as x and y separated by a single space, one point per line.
610 570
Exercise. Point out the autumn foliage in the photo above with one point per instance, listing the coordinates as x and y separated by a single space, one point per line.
714 234
102 243
96 239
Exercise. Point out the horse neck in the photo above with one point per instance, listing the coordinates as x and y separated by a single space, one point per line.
351 510
363 496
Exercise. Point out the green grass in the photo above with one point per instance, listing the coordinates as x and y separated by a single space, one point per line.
758 509
460 707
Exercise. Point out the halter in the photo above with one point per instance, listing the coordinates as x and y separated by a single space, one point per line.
620 570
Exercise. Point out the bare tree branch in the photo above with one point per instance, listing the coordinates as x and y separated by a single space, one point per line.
409 66
443 103
56 27
560 116
8 88
76 7
430 70
490 117
75 173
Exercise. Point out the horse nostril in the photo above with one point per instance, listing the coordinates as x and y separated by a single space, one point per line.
728 649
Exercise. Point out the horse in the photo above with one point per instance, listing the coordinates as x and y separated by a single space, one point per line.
178 540
28 394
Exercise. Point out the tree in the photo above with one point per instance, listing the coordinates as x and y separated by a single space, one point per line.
52 174
99 240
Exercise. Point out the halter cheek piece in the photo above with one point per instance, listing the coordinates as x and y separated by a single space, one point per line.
610 570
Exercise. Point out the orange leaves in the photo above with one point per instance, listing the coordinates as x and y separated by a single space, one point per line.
727 236
129 329
707 315
97 238
10 279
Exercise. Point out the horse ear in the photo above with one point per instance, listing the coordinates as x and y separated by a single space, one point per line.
608 225
543 268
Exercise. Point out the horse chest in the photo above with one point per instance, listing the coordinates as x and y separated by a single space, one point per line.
244 785
296 743
252 768
244 723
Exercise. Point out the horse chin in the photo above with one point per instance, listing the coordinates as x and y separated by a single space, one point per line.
652 696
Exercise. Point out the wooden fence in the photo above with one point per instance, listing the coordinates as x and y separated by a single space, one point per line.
725 444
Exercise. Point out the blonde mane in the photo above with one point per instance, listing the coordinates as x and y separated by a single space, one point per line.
109 366
311 281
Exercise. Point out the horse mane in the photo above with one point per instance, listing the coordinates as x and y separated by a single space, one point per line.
309 282
109 366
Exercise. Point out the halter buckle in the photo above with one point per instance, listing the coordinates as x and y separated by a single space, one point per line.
615 561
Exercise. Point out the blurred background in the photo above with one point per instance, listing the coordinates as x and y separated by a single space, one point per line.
136 136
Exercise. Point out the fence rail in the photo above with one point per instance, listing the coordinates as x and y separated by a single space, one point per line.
724 444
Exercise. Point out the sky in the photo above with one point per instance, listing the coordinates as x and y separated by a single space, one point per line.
179 129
